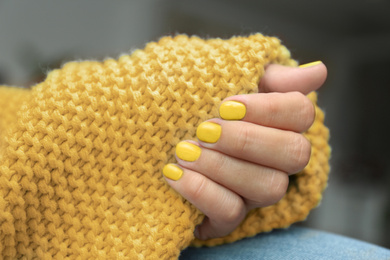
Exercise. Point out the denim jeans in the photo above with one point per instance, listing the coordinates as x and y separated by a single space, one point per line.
292 244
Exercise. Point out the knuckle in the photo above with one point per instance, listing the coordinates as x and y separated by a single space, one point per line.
306 110
297 94
278 187
219 166
271 106
300 150
234 214
241 143
197 190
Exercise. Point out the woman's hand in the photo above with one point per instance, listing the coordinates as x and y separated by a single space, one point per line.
243 160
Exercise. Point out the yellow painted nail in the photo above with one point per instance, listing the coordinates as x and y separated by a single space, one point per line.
209 132
310 64
232 110
188 151
172 172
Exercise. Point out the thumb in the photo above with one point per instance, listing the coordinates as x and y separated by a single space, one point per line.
305 79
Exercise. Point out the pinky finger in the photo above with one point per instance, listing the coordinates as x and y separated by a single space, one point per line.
224 209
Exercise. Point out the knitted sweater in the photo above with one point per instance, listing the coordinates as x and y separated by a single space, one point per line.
81 153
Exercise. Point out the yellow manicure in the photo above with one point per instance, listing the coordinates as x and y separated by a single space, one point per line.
232 110
209 132
172 172
310 64
188 151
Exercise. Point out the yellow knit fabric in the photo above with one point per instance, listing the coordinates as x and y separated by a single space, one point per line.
81 153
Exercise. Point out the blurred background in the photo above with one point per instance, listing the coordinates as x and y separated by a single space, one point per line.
352 37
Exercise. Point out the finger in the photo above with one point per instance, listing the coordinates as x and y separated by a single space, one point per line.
260 185
278 149
290 111
224 209
278 78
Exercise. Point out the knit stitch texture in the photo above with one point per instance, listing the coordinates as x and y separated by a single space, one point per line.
81 153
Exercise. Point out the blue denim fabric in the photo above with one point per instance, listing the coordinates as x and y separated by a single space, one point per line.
292 244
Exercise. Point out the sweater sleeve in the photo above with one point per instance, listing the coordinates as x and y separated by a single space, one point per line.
11 99
82 152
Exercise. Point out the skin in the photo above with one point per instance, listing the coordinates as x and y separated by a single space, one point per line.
248 166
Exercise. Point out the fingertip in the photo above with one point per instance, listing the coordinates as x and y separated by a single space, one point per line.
315 72
305 79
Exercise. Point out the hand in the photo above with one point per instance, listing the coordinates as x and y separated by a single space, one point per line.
244 164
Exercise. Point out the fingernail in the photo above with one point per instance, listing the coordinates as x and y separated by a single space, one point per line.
188 151
232 110
172 172
310 64
208 132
